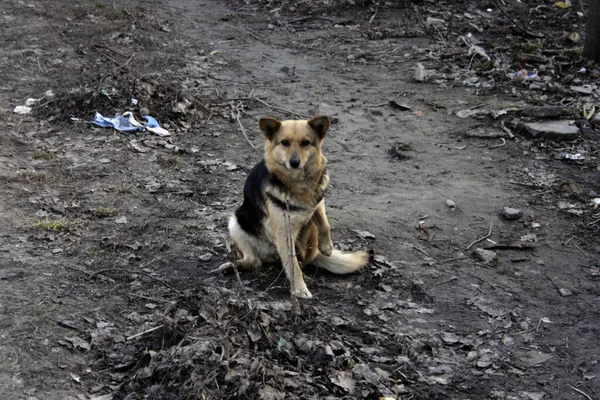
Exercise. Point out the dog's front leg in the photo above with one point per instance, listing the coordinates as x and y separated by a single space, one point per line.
320 219
287 252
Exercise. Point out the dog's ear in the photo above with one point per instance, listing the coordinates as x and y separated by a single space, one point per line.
269 126
320 125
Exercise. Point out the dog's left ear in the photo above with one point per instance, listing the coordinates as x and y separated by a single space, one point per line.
320 125
269 126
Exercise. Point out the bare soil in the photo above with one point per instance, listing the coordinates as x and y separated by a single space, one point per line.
108 239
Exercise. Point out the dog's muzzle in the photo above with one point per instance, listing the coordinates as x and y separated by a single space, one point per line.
294 161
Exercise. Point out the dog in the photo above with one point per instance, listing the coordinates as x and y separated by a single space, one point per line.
283 196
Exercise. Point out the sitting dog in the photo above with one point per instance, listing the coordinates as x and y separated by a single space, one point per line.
283 196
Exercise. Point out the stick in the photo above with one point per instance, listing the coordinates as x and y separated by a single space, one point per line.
451 259
480 239
310 17
417 247
373 17
280 109
237 276
126 62
508 132
515 24
447 281
499 145
290 244
580 392
143 333
237 117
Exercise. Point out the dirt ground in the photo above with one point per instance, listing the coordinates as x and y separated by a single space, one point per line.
108 239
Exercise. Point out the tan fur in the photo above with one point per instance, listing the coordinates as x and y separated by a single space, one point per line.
303 186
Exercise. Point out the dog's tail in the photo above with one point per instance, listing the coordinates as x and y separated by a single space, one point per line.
340 262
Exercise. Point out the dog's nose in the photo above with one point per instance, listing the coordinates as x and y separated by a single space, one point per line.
295 161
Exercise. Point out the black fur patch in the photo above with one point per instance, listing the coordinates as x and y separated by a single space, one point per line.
251 213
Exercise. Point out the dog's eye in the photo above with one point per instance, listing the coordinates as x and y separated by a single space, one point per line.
285 143
305 143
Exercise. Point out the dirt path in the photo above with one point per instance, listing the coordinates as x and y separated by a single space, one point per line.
108 238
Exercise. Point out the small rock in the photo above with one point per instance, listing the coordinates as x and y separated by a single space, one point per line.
434 21
596 120
365 234
484 362
574 37
553 130
420 73
584 89
533 358
511 213
450 203
205 257
564 292
121 220
450 338
487 256
104 160
57 209
180 108
22 110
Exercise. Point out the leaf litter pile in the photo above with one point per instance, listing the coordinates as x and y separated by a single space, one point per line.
240 343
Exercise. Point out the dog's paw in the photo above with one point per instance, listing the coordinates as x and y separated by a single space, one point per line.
326 248
303 293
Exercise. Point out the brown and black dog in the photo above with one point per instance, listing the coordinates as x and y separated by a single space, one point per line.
287 189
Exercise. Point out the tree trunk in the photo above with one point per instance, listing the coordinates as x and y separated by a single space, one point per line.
591 48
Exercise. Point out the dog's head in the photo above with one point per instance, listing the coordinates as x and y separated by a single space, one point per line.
294 143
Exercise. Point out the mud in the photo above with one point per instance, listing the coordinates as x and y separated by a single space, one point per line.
108 238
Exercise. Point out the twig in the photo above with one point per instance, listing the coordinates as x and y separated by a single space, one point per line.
67 325
125 63
581 392
133 272
280 109
290 245
237 117
309 17
451 259
484 281
375 14
108 48
418 248
145 332
515 24
531 185
480 239
499 145
444 42
446 281
150 298
508 131
237 276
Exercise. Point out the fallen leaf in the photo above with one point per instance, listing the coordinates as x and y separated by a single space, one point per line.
344 380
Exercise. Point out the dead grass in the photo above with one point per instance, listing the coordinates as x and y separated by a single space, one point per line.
56 225
102 212
44 155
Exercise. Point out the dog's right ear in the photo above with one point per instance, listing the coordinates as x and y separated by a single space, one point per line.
269 126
